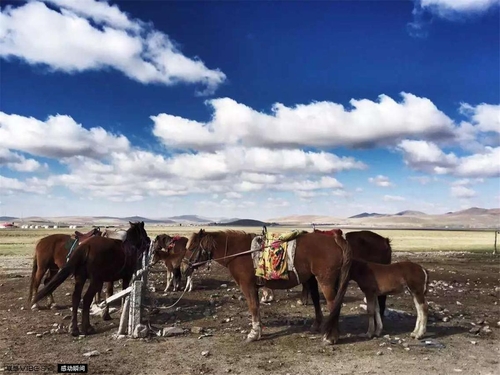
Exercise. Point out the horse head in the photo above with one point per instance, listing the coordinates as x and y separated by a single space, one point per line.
97 232
200 245
137 236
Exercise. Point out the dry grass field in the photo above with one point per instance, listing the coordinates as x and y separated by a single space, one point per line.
23 241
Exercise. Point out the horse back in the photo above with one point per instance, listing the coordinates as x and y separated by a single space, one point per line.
370 246
316 250
52 249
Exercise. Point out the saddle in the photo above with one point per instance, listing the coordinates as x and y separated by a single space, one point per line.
83 236
275 256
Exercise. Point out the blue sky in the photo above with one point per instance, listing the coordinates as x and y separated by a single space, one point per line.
248 109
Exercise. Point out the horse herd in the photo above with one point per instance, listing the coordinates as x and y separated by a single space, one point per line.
325 260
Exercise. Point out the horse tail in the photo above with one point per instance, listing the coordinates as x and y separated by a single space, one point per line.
426 280
343 282
389 248
78 258
34 268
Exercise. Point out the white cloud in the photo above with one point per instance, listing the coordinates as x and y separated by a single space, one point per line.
446 8
31 185
423 180
467 181
18 162
393 198
233 195
277 202
428 157
319 124
380 180
462 192
485 117
67 41
57 137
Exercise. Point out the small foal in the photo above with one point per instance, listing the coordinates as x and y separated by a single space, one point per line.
381 279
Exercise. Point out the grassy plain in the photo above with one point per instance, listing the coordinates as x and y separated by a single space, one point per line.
22 242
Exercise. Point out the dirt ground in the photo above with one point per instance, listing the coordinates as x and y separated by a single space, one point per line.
464 296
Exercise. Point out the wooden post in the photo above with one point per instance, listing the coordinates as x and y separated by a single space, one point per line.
135 306
123 327
495 247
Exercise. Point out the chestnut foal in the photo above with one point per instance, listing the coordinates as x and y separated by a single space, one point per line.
383 279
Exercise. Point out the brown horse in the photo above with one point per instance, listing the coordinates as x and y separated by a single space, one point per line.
367 246
382 279
316 257
175 249
51 254
100 260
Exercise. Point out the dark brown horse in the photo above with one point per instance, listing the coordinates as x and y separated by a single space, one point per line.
100 260
367 246
316 257
171 250
51 254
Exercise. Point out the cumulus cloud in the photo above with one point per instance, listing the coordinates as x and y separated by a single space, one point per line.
425 10
448 8
66 40
462 192
31 185
57 137
19 163
319 124
380 180
428 157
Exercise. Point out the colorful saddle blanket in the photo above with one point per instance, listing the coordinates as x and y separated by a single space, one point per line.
276 255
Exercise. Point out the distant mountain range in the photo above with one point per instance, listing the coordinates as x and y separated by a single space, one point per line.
470 218
473 217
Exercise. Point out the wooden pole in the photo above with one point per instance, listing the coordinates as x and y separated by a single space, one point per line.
495 248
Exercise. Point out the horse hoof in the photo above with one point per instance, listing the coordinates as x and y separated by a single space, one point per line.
75 332
106 317
315 327
89 331
413 334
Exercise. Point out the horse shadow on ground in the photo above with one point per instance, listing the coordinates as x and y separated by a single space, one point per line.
356 325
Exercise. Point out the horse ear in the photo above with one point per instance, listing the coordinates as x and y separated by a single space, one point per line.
142 224
130 223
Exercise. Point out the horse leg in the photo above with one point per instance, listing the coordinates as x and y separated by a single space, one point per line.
40 271
109 292
189 282
75 302
381 302
328 288
304 297
177 278
251 294
378 320
421 324
169 279
312 285
370 311
93 288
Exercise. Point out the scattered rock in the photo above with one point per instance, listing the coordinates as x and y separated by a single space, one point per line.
459 303
205 353
141 331
30 333
473 342
446 319
172 331
66 317
379 353
197 330
39 335
475 330
223 285
486 329
93 353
